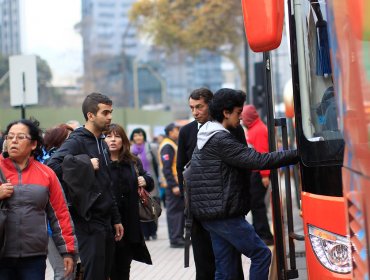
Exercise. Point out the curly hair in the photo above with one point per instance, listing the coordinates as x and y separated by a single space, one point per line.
225 99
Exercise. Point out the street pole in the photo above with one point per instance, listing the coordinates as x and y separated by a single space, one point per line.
23 107
246 67
275 194
136 83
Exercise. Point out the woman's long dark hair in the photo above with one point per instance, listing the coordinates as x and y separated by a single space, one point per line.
125 154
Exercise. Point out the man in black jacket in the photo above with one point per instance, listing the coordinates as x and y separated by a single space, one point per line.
218 192
201 241
93 231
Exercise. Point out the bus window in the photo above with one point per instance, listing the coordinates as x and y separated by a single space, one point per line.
319 107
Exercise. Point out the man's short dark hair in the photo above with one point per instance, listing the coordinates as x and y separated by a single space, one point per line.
204 93
169 128
225 99
91 102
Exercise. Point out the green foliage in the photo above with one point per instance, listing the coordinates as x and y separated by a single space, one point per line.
4 87
44 75
192 26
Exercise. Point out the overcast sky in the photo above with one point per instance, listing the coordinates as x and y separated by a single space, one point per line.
49 32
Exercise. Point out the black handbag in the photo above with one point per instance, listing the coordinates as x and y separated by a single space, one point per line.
3 216
149 208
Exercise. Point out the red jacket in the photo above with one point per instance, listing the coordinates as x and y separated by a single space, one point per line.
37 199
257 134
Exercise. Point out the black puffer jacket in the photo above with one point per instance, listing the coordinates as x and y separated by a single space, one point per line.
218 165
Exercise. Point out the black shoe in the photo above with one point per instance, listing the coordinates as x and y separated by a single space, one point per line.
177 244
146 238
154 237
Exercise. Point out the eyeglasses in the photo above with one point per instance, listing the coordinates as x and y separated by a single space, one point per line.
20 137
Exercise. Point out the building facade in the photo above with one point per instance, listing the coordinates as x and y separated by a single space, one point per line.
133 73
10 28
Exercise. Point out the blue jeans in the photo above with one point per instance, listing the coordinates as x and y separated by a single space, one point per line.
233 234
23 268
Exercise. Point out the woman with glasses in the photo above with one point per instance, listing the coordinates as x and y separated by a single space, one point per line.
32 194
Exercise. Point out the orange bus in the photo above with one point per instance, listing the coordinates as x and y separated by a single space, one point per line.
330 63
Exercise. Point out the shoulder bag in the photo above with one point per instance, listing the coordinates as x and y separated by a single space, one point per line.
149 207
3 216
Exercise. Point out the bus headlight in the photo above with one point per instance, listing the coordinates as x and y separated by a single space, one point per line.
332 250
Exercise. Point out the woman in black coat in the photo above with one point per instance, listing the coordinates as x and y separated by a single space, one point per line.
125 186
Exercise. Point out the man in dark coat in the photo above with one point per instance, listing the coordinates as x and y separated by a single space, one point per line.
218 193
202 246
94 231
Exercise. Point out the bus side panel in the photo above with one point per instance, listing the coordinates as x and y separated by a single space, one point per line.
357 191
327 213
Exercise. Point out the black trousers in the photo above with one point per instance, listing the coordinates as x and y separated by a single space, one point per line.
95 244
204 258
258 207
123 255
175 216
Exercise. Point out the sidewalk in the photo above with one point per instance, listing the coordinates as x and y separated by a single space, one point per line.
168 263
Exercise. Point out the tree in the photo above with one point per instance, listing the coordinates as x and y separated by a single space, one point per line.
48 95
4 86
193 25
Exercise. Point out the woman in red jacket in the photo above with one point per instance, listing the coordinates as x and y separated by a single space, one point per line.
32 195
257 138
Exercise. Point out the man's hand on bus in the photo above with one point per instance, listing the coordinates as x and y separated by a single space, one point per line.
266 182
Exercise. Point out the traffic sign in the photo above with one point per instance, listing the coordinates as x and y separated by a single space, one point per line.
23 80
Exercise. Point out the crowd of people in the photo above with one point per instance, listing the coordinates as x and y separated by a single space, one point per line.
71 192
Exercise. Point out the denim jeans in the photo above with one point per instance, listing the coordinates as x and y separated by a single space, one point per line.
23 268
233 234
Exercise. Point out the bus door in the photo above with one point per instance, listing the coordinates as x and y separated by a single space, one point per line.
319 138
321 145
